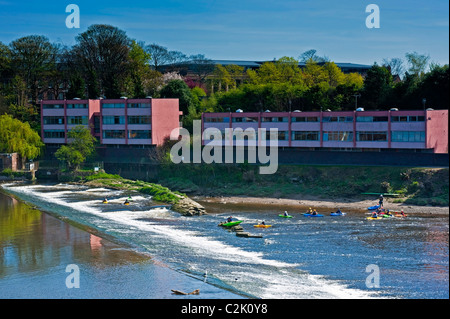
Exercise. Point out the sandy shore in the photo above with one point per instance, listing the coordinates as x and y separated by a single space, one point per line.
302 203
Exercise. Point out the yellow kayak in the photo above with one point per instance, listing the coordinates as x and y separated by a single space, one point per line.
373 218
105 202
126 203
262 226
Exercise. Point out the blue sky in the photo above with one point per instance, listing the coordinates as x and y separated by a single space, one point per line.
249 29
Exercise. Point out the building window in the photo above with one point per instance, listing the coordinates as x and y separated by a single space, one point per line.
135 134
337 119
217 120
116 119
410 118
305 135
53 106
96 124
76 120
77 106
305 119
248 134
244 119
113 134
371 136
338 136
372 119
113 105
139 105
53 120
282 135
138 119
274 119
407 136
54 134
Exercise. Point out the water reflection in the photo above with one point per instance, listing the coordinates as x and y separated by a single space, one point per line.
34 241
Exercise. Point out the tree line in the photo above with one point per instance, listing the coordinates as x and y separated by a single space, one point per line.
105 62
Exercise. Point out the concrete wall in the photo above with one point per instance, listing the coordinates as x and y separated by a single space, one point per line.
165 118
10 160
437 130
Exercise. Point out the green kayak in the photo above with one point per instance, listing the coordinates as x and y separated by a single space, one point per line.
230 224
288 216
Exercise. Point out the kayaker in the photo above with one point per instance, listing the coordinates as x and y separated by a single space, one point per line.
374 214
314 212
105 199
402 213
339 211
286 213
126 201
263 223
229 219
380 200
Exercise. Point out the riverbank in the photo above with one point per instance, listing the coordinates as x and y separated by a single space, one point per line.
425 187
299 204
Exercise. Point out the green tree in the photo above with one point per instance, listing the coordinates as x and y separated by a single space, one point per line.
138 63
102 53
33 58
80 146
18 137
314 74
417 62
178 89
377 88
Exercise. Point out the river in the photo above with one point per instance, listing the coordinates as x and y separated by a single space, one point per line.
329 257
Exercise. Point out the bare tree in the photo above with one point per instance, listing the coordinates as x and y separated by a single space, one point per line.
396 66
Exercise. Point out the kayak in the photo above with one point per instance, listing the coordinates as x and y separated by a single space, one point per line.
338 214
373 218
288 216
386 216
105 202
126 203
311 215
233 223
400 215
373 207
262 226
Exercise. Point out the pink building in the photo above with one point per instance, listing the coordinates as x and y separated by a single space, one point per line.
139 122
418 130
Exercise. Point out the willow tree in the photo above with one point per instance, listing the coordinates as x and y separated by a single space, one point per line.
18 137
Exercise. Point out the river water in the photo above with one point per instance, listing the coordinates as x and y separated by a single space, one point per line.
329 257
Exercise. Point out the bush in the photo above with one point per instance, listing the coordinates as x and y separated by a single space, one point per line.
102 176
413 187
160 193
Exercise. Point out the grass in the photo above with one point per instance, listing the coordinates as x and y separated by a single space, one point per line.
101 179
418 186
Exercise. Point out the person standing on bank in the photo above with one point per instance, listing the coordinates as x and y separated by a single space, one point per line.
380 201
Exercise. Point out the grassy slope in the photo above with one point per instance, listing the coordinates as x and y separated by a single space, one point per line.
158 192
